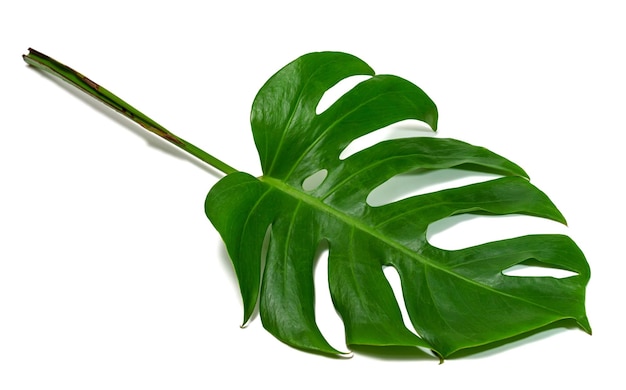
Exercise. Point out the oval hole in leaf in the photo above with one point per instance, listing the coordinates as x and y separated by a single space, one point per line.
403 129
314 181
326 317
534 268
337 91
423 181
467 230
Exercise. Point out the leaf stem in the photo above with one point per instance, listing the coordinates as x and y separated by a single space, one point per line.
64 72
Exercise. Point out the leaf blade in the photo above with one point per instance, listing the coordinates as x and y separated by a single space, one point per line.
455 299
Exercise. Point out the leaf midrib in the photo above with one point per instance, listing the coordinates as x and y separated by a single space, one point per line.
319 205
350 221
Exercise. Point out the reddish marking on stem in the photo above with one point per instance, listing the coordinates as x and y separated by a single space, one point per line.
89 82
164 134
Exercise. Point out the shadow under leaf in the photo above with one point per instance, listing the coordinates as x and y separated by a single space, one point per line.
496 347
394 353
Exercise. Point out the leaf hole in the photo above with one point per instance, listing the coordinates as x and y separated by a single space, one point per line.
404 129
393 278
535 268
315 180
338 90
467 230
328 320
423 181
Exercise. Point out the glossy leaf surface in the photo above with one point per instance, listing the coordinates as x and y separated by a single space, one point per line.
455 299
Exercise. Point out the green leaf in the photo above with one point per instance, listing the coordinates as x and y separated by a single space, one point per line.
455 299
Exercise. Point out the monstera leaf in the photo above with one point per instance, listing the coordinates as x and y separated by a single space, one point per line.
455 299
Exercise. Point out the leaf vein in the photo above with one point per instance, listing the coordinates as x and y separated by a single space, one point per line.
328 129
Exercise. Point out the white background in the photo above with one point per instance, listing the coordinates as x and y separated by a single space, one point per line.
112 277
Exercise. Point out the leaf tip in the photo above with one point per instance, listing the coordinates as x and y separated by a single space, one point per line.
584 324
438 356
245 323
346 355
